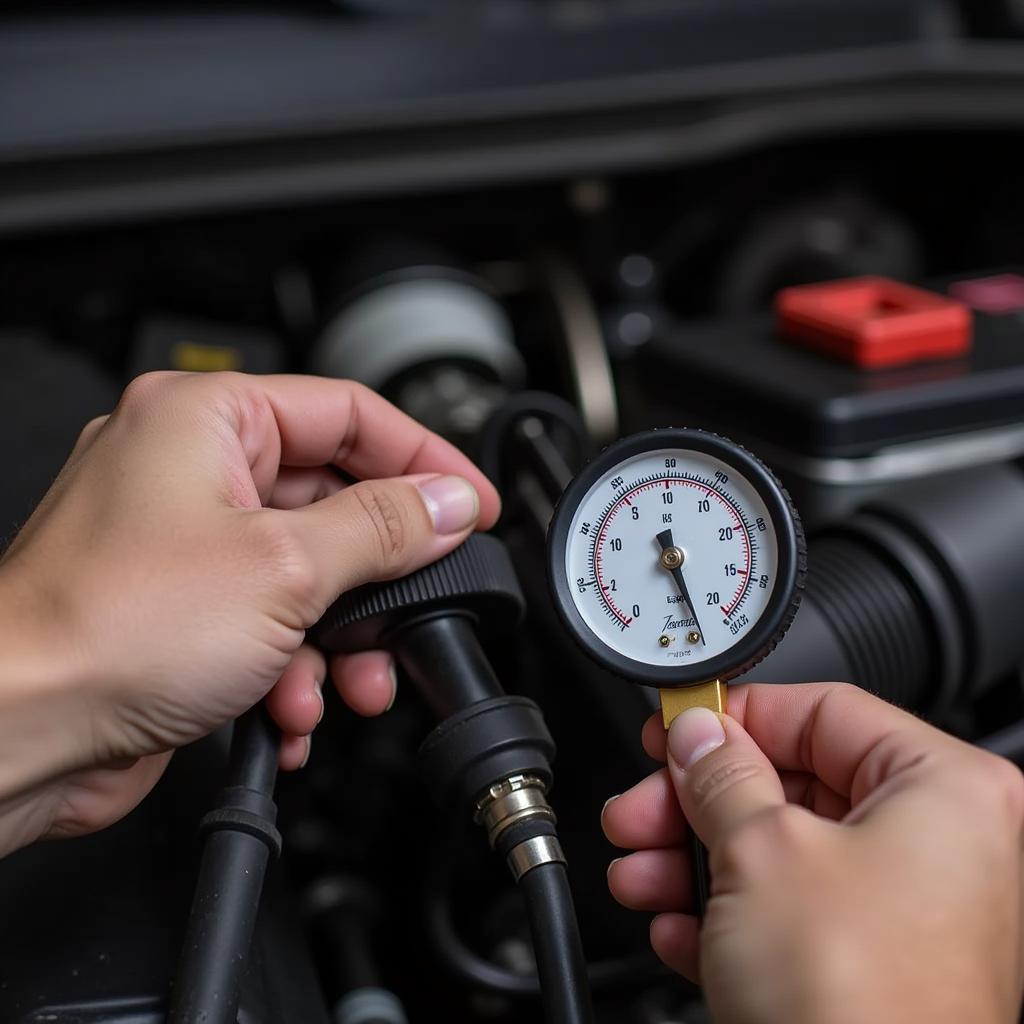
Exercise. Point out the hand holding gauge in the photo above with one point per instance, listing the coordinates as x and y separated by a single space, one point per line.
632 596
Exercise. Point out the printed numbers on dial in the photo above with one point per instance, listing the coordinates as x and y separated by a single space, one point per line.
719 522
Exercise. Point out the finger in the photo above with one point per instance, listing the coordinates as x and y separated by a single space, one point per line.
674 937
653 880
366 682
296 487
810 792
294 752
800 788
720 776
824 729
830 730
296 700
89 434
646 816
316 421
382 529
653 737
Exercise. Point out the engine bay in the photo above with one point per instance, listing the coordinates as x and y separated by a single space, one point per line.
524 222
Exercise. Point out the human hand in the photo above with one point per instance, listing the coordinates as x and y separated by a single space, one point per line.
165 582
865 866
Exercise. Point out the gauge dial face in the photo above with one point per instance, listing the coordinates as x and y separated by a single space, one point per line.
670 560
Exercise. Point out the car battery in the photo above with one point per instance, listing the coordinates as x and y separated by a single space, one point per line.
854 395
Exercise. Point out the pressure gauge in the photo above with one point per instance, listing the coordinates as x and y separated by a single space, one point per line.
675 557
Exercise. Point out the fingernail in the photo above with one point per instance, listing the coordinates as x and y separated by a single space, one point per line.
320 693
394 685
309 750
695 733
452 503
612 864
608 801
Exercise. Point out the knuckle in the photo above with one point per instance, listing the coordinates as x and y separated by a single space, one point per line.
89 431
141 390
230 383
389 527
761 839
92 426
716 780
843 691
741 851
1007 784
357 389
179 391
787 825
274 544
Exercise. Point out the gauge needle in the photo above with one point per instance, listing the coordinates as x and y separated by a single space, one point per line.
666 542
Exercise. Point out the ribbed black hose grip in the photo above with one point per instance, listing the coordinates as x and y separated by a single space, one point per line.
876 616
476 577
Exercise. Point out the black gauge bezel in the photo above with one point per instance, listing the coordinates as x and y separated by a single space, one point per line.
769 629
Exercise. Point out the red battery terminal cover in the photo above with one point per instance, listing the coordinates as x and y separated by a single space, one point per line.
874 322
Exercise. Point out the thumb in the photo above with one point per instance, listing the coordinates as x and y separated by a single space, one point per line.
721 777
381 529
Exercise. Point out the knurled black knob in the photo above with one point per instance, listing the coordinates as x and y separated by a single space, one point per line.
477 579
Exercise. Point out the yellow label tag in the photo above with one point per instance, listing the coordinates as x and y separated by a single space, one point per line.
195 358
704 695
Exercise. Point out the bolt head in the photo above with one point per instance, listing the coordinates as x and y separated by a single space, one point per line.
671 558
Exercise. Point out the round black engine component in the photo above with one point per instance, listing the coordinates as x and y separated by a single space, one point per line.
502 448
843 234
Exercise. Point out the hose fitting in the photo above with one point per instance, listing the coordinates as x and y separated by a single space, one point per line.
520 823
511 800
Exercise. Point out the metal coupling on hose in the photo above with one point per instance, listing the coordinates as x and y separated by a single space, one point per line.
510 801
520 823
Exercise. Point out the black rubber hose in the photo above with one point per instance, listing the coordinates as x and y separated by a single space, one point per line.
565 988
255 746
240 837
443 658
469 966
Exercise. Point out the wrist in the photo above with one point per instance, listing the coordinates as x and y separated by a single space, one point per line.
45 706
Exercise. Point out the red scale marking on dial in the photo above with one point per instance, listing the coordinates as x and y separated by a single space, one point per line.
604 590
623 499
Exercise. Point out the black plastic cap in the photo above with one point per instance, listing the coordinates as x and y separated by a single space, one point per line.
484 743
476 577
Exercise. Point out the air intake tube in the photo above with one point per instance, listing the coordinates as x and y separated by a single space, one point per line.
917 596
